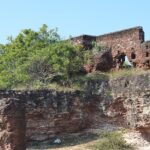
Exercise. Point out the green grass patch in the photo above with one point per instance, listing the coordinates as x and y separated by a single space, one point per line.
50 86
111 141
81 82
126 73
78 82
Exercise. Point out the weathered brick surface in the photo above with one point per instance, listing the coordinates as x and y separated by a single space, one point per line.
48 113
146 52
85 40
124 41
122 101
129 41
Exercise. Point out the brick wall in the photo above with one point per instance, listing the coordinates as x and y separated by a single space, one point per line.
131 41
127 41
145 46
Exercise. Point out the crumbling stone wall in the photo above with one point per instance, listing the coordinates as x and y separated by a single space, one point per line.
131 41
146 53
127 41
121 101
48 113
85 40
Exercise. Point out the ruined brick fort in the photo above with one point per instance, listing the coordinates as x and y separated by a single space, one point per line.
130 41
35 116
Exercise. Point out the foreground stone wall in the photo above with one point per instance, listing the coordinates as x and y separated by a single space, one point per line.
48 114
122 101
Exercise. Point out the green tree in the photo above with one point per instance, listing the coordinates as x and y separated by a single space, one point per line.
37 55
59 58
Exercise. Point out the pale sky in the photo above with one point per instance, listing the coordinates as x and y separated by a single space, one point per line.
73 17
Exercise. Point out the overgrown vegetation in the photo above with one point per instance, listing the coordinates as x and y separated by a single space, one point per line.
101 140
38 58
111 141
126 72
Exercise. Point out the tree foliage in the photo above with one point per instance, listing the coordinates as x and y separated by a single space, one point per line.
37 56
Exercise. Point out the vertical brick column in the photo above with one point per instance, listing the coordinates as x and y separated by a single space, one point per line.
12 124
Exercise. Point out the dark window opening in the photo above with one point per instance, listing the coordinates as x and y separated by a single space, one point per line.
133 55
146 46
147 62
147 54
132 49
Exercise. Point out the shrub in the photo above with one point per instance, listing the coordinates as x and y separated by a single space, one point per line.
111 141
37 56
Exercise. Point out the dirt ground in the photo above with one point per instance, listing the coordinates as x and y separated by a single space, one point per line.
84 140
